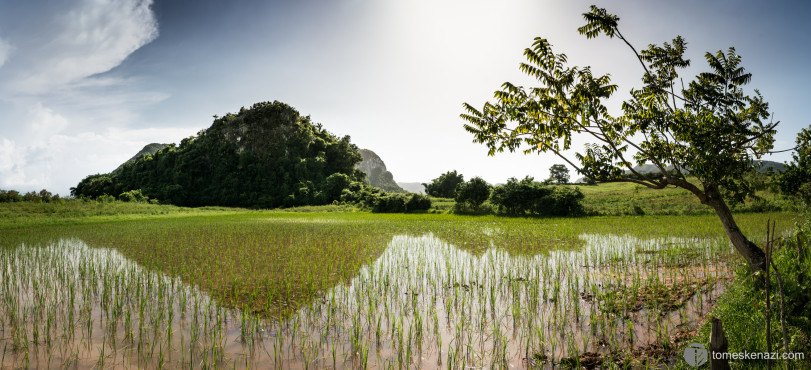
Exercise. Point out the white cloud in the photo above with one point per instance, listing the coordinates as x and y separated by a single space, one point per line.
5 50
57 162
92 37
52 102
46 122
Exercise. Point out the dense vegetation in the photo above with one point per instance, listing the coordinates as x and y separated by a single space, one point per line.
473 193
527 196
266 156
795 179
9 196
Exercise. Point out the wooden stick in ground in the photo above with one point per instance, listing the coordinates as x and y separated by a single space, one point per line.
768 299
718 344
782 298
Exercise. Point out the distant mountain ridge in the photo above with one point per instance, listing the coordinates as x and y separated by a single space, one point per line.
376 172
764 166
650 168
414 187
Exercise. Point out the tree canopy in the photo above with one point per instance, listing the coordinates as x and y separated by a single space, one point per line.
473 193
795 179
445 185
559 173
711 126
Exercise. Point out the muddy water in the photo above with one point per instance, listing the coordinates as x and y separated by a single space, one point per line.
423 303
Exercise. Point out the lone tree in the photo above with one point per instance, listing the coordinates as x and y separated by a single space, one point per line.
445 185
559 174
710 127
474 192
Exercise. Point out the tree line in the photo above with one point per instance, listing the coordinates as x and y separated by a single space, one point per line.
9 196
515 198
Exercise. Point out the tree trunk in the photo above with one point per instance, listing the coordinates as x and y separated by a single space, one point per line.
718 344
751 252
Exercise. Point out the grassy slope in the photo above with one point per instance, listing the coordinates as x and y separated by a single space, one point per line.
622 197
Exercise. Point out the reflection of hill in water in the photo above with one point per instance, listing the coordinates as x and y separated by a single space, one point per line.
423 301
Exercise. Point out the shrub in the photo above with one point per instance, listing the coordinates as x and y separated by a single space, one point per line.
333 186
399 203
390 203
473 193
530 197
133 196
418 202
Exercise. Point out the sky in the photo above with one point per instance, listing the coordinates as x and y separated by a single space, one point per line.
85 84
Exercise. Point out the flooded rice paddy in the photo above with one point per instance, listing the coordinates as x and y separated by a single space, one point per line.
423 303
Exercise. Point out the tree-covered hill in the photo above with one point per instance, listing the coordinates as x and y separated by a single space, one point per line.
266 156
376 172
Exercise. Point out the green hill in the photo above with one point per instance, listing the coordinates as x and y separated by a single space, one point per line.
266 156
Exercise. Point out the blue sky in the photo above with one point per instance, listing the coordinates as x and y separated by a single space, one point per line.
85 84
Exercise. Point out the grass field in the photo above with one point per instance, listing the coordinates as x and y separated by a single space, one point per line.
628 198
100 285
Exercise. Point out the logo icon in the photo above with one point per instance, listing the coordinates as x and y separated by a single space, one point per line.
695 354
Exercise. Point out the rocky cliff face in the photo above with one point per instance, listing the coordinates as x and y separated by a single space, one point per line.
376 172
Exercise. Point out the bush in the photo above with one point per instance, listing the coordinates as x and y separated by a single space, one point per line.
400 203
379 201
333 186
133 196
418 202
566 201
391 203
361 194
529 197
473 193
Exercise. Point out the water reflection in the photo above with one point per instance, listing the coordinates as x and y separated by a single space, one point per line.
424 302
